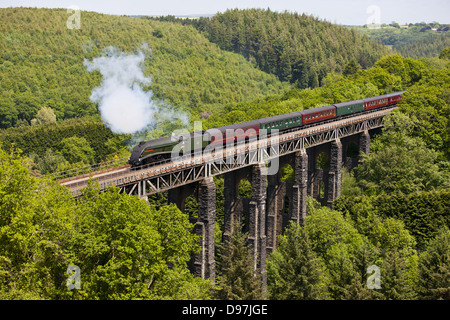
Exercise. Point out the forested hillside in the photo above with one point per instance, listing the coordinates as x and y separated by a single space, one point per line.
426 80
413 40
296 47
41 64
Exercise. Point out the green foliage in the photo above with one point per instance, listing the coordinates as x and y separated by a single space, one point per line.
49 162
399 162
41 64
349 184
44 116
414 41
396 283
125 250
323 161
38 139
434 266
35 219
297 48
294 270
428 104
75 149
327 227
245 189
445 54
287 173
391 73
345 252
344 247
351 68
236 274
422 212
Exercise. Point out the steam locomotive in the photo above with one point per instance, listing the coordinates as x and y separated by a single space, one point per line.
160 149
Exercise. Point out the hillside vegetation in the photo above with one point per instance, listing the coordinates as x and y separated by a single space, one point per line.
296 47
427 100
414 40
41 64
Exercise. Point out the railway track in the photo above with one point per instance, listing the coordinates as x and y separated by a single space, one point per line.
123 175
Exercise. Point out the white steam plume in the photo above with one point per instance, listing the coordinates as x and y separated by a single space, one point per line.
124 106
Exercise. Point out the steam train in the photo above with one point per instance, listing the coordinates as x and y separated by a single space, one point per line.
160 149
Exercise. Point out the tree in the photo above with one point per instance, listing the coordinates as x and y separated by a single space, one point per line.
236 274
45 115
445 53
352 67
349 184
8 113
77 149
336 240
48 163
35 219
395 65
125 250
294 270
326 227
399 162
395 282
434 267
416 217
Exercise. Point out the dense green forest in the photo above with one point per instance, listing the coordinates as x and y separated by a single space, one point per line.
414 40
297 48
41 64
393 211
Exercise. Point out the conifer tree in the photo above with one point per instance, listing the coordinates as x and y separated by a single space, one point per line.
395 284
434 268
236 273
294 271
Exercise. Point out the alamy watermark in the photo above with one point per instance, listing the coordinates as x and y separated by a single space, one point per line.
374 280
74 280
74 21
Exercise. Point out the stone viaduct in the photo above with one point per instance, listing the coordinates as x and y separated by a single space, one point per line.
273 202
315 155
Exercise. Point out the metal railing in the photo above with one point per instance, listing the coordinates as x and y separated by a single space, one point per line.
78 172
